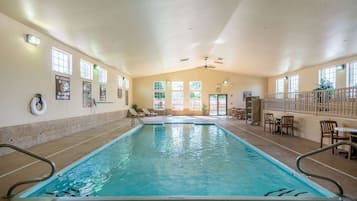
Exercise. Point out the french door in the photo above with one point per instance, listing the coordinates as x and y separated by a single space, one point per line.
218 104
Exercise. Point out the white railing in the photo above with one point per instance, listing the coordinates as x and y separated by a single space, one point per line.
337 102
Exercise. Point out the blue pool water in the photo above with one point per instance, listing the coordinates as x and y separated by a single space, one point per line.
178 159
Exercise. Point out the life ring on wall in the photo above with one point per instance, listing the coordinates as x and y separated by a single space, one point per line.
38 105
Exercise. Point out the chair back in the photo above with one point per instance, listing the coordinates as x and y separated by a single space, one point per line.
146 111
268 117
287 120
327 126
133 112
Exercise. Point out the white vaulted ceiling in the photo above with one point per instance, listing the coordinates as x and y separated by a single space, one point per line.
145 37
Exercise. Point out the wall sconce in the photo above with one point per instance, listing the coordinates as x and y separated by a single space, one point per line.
286 78
225 82
33 40
341 67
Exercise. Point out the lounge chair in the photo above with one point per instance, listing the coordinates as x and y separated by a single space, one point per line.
133 113
148 113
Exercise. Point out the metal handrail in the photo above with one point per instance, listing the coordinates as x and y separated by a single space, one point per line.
298 159
52 164
140 120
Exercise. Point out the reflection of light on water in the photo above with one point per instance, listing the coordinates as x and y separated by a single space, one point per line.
196 139
159 138
177 138
173 160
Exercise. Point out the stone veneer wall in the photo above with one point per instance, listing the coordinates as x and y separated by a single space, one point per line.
27 135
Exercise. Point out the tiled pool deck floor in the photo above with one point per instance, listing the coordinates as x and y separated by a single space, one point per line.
18 167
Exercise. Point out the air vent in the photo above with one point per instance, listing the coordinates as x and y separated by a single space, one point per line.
185 59
220 59
218 62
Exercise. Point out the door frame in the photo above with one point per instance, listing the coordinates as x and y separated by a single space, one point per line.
217 100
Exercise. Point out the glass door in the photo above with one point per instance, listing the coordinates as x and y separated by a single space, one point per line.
218 104
213 109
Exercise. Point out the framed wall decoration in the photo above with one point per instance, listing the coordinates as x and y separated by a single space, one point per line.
63 88
87 94
102 92
126 97
120 92
246 94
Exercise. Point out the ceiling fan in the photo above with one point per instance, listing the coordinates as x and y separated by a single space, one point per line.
207 66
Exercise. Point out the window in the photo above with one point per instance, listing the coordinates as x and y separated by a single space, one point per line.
293 85
120 86
86 70
126 84
177 85
102 75
177 95
61 61
159 95
279 88
195 95
352 75
327 76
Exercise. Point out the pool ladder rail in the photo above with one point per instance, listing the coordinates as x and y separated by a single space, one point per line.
298 160
51 163
137 118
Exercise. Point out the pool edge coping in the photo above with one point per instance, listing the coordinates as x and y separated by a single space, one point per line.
277 163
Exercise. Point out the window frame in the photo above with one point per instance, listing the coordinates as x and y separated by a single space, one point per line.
174 90
159 103
352 79
278 93
323 70
120 87
68 70
100 69
293 85
193 102
90 68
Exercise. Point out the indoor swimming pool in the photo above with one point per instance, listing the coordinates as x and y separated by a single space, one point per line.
178 160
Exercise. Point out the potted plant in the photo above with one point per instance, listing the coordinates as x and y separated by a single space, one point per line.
324 85
323 92
204 109
135 107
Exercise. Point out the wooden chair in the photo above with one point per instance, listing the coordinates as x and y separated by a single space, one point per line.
287 122
352 138
269 119
327 128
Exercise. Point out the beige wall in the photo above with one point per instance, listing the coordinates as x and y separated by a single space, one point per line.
143 86
26 70
307 125
308 77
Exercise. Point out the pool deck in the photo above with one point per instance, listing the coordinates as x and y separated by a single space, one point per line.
16 167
